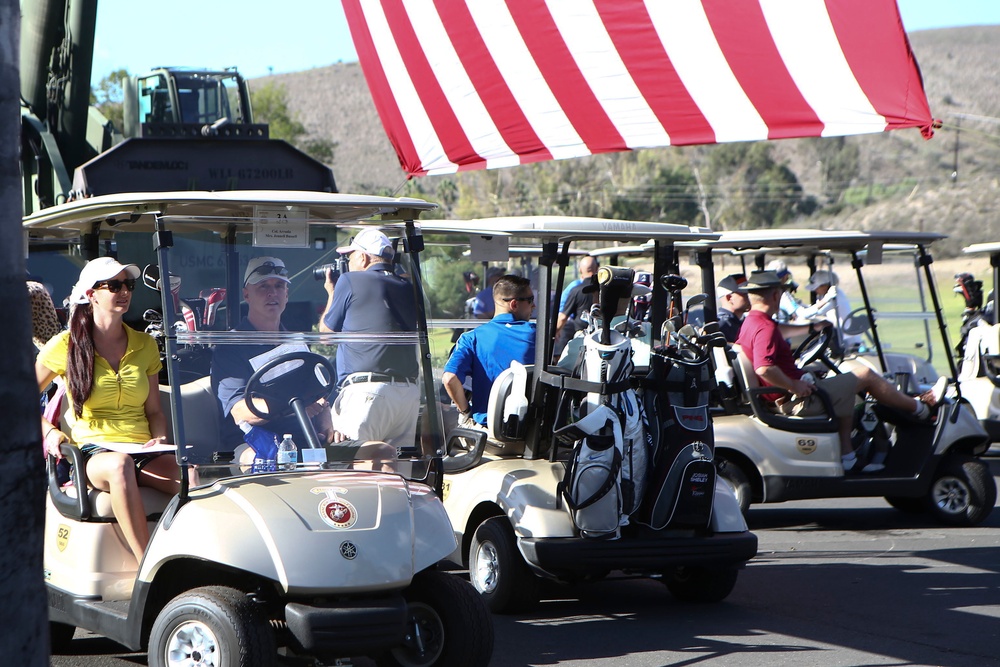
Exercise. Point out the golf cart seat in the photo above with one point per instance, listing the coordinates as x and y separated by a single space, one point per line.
763 409
506 411
201 413
94 505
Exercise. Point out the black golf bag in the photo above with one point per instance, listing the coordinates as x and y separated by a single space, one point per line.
681 485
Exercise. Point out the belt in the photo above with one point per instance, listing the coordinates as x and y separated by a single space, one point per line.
355 378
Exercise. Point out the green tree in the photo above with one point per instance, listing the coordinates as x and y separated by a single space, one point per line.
270 105
108 97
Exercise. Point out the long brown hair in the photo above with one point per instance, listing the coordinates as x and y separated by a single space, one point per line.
80 356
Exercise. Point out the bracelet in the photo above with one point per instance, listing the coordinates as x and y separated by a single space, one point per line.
466 412
48 433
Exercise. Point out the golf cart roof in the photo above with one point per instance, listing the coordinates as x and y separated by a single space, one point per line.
558 227
813 240
138 211
610 251
989 247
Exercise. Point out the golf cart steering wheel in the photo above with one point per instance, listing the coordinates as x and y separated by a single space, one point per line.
814 348
308 378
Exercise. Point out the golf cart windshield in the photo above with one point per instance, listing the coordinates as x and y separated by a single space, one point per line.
207 260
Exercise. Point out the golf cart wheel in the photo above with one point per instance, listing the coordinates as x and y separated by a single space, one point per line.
213 625
60 637
700 584
909 505
497 570
963 491
447 625
733 475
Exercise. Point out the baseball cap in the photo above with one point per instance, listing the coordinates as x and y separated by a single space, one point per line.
821 277
779 267
96 270
734 282
262 268
762 280
370 242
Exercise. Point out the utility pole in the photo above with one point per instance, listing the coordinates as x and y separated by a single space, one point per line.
958 133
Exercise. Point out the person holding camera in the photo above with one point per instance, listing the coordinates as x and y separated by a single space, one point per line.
379 396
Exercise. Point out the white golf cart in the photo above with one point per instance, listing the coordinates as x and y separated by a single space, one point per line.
333 558
520 505
979 368
931 466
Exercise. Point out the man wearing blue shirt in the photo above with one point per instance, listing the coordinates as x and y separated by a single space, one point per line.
379 396
488 350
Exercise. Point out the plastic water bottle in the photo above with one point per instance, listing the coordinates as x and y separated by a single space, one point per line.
288 453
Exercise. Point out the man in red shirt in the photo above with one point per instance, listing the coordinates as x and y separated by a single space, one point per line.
773 361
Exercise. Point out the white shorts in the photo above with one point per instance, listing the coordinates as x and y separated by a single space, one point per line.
385 411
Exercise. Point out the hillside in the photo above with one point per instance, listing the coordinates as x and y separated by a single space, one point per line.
909 181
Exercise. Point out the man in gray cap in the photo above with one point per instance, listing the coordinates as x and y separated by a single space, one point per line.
771 356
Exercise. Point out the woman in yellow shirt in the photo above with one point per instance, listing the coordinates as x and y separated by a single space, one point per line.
111 373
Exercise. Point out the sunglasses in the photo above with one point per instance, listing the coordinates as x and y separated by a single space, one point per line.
115 286
529 299
269 269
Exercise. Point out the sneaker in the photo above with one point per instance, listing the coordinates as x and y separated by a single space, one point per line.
873 467
935 394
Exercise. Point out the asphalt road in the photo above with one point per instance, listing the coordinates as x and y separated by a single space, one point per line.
836 582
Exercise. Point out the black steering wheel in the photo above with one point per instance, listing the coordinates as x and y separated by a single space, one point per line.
307 378
814 348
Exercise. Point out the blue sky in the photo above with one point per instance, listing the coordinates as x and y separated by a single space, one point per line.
259 37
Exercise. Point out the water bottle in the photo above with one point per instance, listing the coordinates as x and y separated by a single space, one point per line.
288 453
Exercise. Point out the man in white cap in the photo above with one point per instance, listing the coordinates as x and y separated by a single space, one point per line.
733 304
265 290
831 305
379 396
764 345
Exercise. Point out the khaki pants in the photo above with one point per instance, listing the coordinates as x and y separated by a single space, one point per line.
842 390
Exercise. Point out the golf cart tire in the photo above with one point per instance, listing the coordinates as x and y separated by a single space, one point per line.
963 491
242 636
455 628
908 504
733 475
497 570
700 584
60 637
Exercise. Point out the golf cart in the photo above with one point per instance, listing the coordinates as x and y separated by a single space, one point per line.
931 466
979 368
332 557
577 474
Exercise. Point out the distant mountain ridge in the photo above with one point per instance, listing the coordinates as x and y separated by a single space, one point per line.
960 72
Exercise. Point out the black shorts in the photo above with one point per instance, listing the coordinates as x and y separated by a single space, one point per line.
139 460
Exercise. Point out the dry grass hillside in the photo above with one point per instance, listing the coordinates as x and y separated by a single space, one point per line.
908 179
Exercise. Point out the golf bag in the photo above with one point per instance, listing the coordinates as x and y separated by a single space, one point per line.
680 437
606 474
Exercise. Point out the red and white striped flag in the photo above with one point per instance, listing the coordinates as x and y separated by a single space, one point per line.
473 84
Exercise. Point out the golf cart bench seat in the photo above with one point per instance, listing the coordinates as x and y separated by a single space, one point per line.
749 385
95 505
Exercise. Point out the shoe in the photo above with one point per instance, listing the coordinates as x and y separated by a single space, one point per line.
849 461
935 394
873 467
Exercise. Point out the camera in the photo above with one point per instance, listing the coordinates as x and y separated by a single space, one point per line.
338 267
